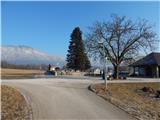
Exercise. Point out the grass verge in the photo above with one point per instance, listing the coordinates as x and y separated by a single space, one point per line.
124 96
13 105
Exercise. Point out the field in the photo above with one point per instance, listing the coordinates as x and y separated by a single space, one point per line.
19 73
13 105
126 97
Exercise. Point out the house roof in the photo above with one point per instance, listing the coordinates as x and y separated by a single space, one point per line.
151 59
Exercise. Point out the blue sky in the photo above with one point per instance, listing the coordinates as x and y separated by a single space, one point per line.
47 26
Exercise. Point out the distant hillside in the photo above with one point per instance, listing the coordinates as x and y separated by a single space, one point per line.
28 55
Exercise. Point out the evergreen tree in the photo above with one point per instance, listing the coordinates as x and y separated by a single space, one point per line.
77 58
87 62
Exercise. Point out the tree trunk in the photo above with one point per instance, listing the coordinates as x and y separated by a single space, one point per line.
116 72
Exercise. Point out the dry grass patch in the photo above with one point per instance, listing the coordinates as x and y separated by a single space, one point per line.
125 96
19 73
13 105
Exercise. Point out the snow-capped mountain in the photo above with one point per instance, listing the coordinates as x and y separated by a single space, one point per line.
28 55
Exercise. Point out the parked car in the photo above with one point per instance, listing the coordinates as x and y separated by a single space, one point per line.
122 75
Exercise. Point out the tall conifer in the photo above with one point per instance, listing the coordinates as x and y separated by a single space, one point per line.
77 58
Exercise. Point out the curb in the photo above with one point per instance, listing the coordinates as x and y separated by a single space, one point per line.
91 88
110 99
28 105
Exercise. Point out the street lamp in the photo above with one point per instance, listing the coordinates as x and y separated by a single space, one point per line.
102 51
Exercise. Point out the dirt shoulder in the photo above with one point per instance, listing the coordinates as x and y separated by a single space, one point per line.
127 97
14 105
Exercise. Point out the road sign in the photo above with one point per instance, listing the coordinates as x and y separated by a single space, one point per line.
106 60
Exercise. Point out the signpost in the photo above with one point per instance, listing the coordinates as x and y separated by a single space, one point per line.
105 61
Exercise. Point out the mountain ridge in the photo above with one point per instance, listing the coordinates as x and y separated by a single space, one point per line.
22 54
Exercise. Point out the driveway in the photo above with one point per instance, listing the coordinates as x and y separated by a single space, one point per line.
59 99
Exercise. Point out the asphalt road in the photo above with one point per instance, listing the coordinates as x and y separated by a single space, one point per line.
61 99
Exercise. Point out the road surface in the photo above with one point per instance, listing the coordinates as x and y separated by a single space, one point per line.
61 99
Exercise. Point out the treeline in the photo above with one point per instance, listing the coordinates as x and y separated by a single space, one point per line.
5 64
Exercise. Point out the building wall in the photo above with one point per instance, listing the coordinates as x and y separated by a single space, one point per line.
147 71
141 71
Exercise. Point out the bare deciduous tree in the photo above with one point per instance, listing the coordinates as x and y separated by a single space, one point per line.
122 38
